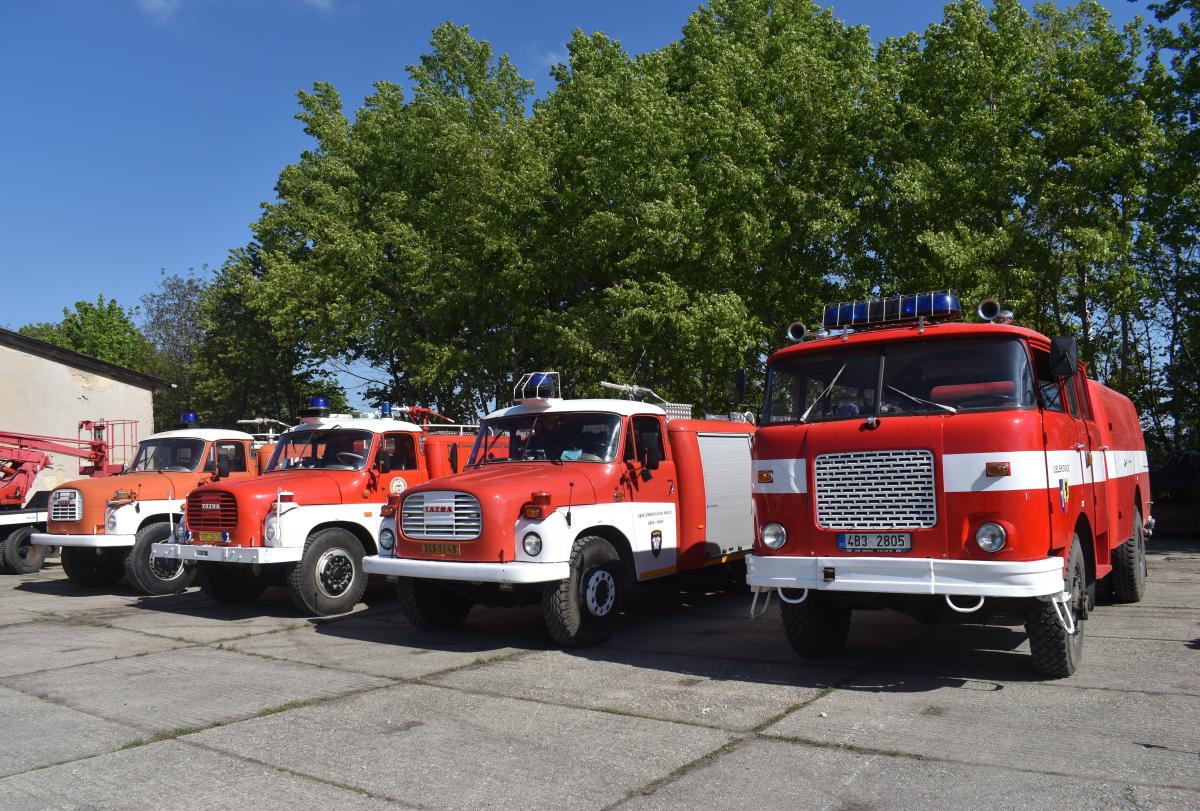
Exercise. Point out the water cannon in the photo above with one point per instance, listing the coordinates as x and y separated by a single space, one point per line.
991 311
631 391
796 332
318 406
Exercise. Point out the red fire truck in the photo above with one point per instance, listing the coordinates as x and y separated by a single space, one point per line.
567 503
309 520
106 527
908 460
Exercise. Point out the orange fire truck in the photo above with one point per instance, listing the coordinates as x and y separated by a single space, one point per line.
907 460
106 526
567 503
307 522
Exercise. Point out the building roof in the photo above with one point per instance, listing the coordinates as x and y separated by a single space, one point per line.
67 357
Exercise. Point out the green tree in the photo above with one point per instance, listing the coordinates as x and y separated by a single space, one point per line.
103 330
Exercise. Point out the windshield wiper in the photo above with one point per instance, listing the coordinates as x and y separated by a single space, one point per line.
821 396
916 399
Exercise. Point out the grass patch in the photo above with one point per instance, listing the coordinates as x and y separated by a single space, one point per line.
704 760
933 711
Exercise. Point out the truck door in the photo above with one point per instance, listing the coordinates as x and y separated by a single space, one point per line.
1095 471
397 464
650 482
1065 442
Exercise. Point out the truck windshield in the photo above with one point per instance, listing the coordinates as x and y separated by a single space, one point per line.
333 449
571 437
178 454
926 377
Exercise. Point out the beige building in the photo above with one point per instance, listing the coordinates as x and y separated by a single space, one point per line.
47 390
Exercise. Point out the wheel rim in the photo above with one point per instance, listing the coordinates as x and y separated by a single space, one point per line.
25 551
335 572
1077 597
165 568
601 593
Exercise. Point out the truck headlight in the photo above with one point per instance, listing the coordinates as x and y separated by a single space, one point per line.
271 533
774 536
532 544
180 532
990 536
387 540
110 521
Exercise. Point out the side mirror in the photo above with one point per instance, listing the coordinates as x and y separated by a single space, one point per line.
223 466
384 464
210 466
650 458
1064 356
454 457
738 392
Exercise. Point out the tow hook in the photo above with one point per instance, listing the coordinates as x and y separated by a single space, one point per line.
1149 526
1063 610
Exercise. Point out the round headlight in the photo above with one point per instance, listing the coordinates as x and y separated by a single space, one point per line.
991 537
532 543
180 531
110 521
271 532
774 536
387 540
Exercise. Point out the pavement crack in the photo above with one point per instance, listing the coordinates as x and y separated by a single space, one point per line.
700 762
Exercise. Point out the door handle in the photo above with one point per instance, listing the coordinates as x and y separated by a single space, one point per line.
1079 446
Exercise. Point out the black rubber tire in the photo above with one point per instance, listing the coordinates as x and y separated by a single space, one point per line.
1055 652
318 584
146 574
18 555
93 568
1129 565
816 627
230 583
572 616
431 606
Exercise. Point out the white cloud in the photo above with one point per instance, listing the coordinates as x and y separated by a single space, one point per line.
549 59
159 10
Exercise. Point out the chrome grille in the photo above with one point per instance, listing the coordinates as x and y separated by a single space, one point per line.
441 514
875 490
211 511
66 505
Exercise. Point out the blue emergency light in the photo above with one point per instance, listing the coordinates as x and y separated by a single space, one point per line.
537 386
318 401
942 304
189 418
385 409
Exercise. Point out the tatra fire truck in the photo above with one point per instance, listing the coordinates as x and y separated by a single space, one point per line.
106 526
567 503
307 522
905 459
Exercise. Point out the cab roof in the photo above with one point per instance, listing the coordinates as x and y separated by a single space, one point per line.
375 425
554 405
909 331
207 434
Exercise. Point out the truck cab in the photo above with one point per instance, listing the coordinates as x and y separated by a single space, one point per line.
908 460
568 503
307 522
107 526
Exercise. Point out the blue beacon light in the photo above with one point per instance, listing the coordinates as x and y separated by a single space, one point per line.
318 401
885 311
385 409
190 417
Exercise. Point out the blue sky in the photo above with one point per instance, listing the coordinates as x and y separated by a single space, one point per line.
144 134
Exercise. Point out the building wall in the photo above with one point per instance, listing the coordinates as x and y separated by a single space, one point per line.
42 396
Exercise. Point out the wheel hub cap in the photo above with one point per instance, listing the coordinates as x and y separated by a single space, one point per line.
335 573
601 593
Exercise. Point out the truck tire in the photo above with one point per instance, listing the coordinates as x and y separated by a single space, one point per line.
18 555
582 609
429 605
1055 652
156 575
329 578
1129 565
230 583
92 568
815 627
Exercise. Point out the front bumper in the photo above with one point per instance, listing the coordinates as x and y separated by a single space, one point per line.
892 575
515 572
226 554
88 541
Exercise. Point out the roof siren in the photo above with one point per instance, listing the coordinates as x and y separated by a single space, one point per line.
990 310
796 332
189 419
318 406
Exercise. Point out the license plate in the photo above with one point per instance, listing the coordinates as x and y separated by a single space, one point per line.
441 548
209 537
875 541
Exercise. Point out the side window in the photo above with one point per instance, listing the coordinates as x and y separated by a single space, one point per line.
234 453
1048 388
648 431
1072 396
400 451
1085 404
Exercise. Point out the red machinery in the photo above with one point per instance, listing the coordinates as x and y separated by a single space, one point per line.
102 447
